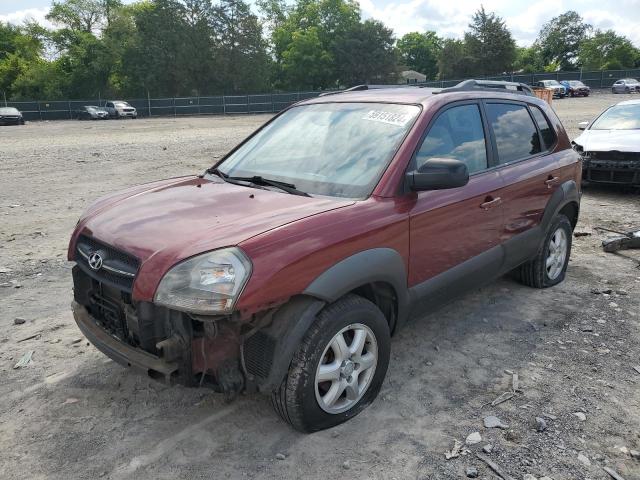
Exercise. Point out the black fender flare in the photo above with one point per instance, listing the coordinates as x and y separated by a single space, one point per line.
291 321
384 265
568 192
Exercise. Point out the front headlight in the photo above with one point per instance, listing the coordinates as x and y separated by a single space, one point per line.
206 284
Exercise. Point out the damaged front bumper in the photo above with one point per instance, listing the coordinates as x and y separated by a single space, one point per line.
619 172
125 355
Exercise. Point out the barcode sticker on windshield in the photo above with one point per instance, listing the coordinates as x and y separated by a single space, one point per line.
399 119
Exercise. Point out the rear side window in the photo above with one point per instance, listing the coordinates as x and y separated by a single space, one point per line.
457 133
546 131
515 133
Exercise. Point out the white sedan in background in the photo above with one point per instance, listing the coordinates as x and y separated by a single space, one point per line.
610 145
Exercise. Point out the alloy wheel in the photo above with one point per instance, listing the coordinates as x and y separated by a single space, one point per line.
557 253
346 368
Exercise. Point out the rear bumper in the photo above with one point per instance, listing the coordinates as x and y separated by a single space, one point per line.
126 355
618 172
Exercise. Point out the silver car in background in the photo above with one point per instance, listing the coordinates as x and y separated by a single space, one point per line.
626 85
120 109
610 145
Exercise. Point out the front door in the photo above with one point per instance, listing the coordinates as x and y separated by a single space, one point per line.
454 234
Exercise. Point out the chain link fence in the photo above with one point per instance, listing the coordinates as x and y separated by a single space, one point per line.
274 102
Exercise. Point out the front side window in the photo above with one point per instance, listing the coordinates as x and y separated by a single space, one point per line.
333 149
457 133
619 117
515 133
546 131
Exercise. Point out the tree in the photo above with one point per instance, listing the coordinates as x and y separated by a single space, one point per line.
528 60
78 15
454 62
242 56
365 54
420 51
607 50
560 38
490 44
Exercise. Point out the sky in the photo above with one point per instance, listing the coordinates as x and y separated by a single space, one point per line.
447 18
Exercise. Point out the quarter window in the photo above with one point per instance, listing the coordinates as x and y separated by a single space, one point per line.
515 133
546 131
457 133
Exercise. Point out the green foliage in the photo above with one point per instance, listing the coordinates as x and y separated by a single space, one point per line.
489 44
203 47
560 39
420 51
608 51
528 60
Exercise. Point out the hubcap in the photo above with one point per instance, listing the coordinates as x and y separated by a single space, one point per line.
346 368
557 253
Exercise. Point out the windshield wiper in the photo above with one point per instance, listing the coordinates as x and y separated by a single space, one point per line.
258 180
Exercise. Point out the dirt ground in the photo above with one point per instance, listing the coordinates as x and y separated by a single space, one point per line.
74 414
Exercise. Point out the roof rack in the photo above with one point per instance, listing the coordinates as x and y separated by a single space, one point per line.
488 85
358 88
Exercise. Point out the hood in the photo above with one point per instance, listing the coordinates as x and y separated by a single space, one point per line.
606 140
175 219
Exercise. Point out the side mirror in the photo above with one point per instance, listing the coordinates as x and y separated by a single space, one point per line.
583 125
439 174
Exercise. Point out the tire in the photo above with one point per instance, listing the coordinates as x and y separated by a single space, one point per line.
299 397
627 90
535 273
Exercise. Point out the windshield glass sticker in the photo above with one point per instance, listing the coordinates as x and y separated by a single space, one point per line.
399 119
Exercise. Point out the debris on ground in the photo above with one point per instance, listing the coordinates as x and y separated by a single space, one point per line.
615 475
346 464
583 459
515 383
473 438
35 336
487 448
581 416
18 321
280 456
578 234
495 467
472 472
24 360
622 242
637 369
503 398
457 450
494 422
541 424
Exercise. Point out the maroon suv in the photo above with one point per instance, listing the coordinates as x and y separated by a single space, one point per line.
288 265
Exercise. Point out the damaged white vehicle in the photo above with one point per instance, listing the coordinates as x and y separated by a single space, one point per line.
610 145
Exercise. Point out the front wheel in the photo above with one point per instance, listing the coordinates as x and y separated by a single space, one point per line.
549 266
338 368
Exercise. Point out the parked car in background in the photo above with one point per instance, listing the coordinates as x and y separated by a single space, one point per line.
286 267
576 88
91 112
10 116
610 145
120 109
626 85
559 91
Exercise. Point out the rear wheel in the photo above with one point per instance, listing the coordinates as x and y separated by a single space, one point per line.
549 266
338 368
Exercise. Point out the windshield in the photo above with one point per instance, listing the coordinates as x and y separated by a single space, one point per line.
8 111
629 80
550 82
121 104
619 117
334 149
576 83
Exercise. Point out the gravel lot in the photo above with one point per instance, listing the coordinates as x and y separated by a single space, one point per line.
73 413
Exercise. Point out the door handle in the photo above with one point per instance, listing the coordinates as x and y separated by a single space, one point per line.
490 202
549 182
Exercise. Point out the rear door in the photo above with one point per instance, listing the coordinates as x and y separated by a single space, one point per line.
522 140
454 234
